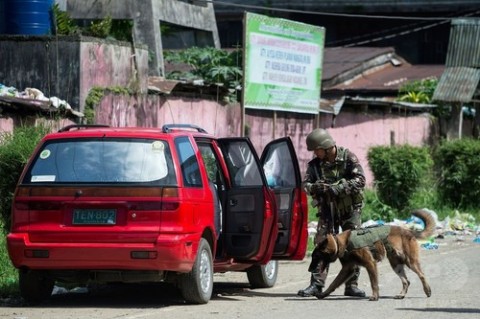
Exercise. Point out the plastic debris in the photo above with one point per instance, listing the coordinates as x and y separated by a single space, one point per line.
36 94
429 245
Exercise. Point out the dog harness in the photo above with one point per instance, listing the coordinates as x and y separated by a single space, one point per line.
366 237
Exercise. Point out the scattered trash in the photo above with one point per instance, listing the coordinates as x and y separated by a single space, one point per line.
457 228
36 94
415 223
372 223
429 245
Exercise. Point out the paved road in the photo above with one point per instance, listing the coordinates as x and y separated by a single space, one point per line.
453 272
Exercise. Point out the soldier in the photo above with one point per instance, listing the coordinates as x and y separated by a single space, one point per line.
336 180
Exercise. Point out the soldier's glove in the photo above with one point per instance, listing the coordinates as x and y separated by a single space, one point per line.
319 188
337 188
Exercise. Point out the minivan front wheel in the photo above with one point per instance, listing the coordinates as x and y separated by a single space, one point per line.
263 276
197 285
35 286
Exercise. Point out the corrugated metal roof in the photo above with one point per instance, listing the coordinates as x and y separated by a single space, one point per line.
390 77
338 61
457 84
463 45
460 79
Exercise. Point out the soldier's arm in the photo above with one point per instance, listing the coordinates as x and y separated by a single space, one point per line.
309 180
355 180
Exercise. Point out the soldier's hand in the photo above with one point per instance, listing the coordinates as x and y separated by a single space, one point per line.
337 188
319 188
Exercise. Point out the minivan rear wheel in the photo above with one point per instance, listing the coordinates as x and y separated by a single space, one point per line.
35 286
197 285
263 276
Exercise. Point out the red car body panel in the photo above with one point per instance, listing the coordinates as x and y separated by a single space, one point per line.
165 223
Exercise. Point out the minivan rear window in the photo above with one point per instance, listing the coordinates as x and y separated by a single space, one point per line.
103 160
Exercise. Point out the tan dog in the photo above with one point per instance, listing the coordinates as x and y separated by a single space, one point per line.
365 247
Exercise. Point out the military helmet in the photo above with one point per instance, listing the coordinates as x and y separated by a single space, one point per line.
319 138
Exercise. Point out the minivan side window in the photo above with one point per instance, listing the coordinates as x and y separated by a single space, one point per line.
242 165
188 162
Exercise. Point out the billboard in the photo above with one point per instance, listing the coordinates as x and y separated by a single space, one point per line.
282 64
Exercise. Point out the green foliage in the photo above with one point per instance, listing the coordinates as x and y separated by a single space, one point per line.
213 66
15 150
107 27
64 24
458 170
398 172
8 273
94 97
101 28
374 209
420 91
415 97
122 30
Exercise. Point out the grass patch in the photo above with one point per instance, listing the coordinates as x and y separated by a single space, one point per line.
8 273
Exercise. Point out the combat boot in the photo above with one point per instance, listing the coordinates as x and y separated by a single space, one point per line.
354 291
313 290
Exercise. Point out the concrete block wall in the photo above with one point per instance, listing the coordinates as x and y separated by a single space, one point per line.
68 67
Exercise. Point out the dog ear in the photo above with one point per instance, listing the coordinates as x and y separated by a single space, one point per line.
331 245
322 244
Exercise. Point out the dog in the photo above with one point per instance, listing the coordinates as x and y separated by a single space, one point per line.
367 246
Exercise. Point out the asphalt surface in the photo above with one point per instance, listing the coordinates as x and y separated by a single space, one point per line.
453 271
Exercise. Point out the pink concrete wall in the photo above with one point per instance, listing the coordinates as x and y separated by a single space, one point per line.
7 124
155 111
354 130
361 135
107 65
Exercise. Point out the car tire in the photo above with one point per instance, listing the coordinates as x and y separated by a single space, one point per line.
263 276
197 286
35 286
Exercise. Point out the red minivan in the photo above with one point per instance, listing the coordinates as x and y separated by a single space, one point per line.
176 204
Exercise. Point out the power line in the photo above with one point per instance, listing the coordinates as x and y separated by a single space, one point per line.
390 36
333 14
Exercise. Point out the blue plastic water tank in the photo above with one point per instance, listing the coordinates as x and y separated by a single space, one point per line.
2 16
32 17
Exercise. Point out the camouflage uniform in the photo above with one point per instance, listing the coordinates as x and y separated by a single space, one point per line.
339 204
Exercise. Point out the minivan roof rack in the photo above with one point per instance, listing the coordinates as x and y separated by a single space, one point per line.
167 128
80 126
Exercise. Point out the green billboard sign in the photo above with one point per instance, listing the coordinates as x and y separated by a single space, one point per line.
283 64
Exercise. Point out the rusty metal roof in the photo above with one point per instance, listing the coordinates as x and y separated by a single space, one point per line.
341 63
461 77
390 77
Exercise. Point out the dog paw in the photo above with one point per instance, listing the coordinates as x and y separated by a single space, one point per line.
399 297
373 298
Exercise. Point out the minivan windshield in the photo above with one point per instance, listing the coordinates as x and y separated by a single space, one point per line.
103 160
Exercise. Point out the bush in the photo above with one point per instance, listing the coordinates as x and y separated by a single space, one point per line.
457 167
398 172
374 209
15 150
8 274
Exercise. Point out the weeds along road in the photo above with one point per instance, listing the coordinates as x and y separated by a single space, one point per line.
453 272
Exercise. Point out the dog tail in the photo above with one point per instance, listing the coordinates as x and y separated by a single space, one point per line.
429 222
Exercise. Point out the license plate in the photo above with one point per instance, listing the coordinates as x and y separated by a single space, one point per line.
94 216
